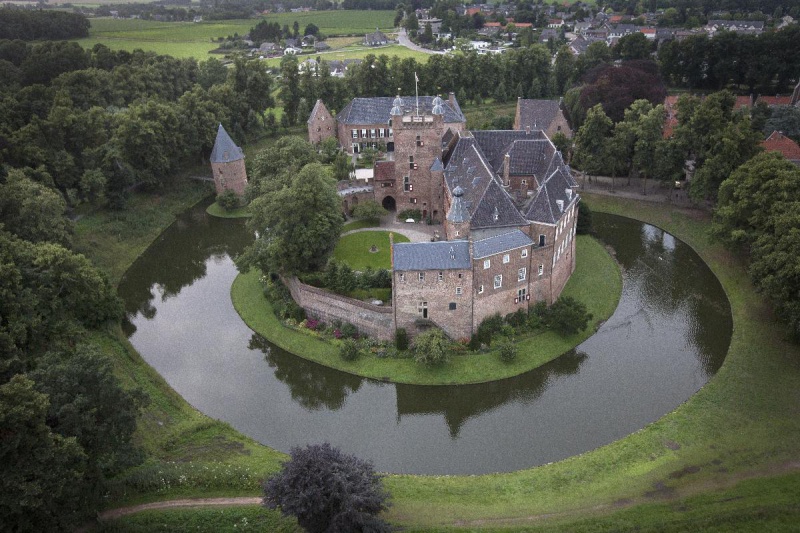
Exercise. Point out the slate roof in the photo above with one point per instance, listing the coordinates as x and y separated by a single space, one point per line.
537 114
544 205
376 110
442 255
500 243
225 150
317 107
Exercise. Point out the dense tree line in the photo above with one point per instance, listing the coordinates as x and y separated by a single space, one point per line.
765 63
32 25
92 124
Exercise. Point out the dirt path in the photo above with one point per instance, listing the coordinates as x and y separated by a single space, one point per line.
113 514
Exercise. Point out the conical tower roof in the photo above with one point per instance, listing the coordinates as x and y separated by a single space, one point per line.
225 150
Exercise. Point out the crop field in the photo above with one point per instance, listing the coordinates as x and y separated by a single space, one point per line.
189 39
359 52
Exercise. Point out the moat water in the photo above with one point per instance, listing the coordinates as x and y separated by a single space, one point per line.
666 339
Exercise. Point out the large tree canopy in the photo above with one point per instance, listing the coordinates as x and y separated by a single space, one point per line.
298 224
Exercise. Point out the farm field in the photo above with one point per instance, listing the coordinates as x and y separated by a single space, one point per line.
188 39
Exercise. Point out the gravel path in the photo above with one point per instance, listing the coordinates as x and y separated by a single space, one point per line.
113 514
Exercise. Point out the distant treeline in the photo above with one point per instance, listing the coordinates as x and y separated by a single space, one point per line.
31 25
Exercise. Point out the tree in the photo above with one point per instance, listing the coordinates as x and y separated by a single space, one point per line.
32 211
88 402
564 69
648 135
633 46
432 348
298 225
774 267
590 141
750 199
328 491
41 487
785 119
568 316
369 210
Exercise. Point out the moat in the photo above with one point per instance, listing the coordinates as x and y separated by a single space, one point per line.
667 338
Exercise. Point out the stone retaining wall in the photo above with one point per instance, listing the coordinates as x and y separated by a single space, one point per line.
373 320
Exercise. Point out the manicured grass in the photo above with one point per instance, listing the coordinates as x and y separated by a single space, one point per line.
216 210
359 224
354 249
596 282
359 52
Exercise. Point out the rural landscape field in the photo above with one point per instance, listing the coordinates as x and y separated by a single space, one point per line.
189 39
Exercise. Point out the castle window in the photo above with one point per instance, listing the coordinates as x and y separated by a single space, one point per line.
460 275
372 133
452 306
380 132
457 233
411 159
355 134
422 309
391 132
541 240
498 281
524 253
364 133
541 269
441 275
422 276
458 291
487 263
402 276
412 200
522 273
407 184
480 289
506 258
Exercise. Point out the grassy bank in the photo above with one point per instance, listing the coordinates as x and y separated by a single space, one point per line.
596 282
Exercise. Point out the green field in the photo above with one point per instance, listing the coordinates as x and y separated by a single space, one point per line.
354 249
188 39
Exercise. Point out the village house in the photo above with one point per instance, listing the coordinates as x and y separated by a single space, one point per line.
544 115
506 200
376 39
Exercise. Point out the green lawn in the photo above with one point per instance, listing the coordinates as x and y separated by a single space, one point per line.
596 283
354 249
216 210
360 224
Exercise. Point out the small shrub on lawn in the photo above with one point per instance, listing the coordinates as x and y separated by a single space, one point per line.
490 326
228 200
349 350
432 348
507 351
401 339
568 316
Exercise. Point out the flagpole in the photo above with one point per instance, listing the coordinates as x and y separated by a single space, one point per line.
416 88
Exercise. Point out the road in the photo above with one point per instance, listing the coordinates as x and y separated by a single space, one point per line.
402 39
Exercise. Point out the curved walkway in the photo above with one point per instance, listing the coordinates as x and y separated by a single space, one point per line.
402 39
415 232
113 514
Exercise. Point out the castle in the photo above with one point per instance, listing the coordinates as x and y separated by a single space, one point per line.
506 199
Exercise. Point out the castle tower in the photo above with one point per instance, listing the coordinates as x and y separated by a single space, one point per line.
417 147
321 124
456 225
227 164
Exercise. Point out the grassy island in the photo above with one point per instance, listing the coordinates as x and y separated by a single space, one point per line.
216 210
596 282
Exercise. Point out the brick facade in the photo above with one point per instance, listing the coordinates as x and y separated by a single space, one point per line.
230 176
321 124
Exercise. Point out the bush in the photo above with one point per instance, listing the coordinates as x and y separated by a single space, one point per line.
349 331
508 351
432 348
369 210
349 350
327 490
568 316
401 339
416 214
228 200
490 326
584 224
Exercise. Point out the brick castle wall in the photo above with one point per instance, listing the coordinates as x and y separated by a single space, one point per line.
373 320
410 293
230 176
